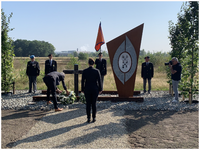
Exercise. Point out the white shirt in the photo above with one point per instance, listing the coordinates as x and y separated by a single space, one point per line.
50 62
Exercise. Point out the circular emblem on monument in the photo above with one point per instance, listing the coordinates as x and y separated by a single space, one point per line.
125 62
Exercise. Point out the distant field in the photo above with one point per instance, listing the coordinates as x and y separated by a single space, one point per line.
159 82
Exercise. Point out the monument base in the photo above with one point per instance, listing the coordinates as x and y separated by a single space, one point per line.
121 99
111 98
103 92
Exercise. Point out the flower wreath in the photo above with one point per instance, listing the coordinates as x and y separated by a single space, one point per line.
82 98
67 99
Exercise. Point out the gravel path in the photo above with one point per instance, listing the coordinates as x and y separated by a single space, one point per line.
68 129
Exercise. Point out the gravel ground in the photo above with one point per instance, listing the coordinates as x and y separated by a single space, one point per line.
144 129
157 100
163 129
68 129
155 123
15 124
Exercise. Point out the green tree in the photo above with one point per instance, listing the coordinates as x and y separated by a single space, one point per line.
21 48
75 54
7 53
72 62
24 48
184 38
142 53
82 56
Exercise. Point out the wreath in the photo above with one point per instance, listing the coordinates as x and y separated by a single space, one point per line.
67 99
82 98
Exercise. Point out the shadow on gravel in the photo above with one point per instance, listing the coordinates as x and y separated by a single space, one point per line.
110 129
137 119
48 134
66 116
17 114
89 138
54 119
14 124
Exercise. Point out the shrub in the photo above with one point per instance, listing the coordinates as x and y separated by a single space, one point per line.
72 62
82 56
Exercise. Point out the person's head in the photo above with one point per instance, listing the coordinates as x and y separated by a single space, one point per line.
91 62
50 56
100 55
174 61
62 76
32 57
146 59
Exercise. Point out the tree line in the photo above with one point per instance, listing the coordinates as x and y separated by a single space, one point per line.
24 48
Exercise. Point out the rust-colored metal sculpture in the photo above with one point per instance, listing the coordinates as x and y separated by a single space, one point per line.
124 52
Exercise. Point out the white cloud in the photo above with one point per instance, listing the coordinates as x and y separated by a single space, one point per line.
84 47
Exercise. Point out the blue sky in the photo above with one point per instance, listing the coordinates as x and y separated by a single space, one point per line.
69 25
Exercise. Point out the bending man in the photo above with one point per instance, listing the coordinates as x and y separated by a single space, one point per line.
51 80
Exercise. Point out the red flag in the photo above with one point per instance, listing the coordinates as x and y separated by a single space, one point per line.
100 40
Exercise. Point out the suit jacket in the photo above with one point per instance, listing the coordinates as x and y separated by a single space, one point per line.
91 80
51 68
102 66
33 69
57 77
147 71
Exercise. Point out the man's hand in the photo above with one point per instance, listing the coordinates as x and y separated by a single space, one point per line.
172 71
170 66
67 92
59 91
100 92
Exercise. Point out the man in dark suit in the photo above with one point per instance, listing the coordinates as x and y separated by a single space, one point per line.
51 80
32 71
102 66
91 86
50 65
147 72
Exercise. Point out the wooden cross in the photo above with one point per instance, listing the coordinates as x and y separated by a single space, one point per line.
76 72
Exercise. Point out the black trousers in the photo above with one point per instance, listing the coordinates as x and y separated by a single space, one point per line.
102 79
32 81
91 98
144 84
51 85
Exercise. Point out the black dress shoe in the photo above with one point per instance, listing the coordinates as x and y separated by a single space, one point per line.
93 120
88 121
